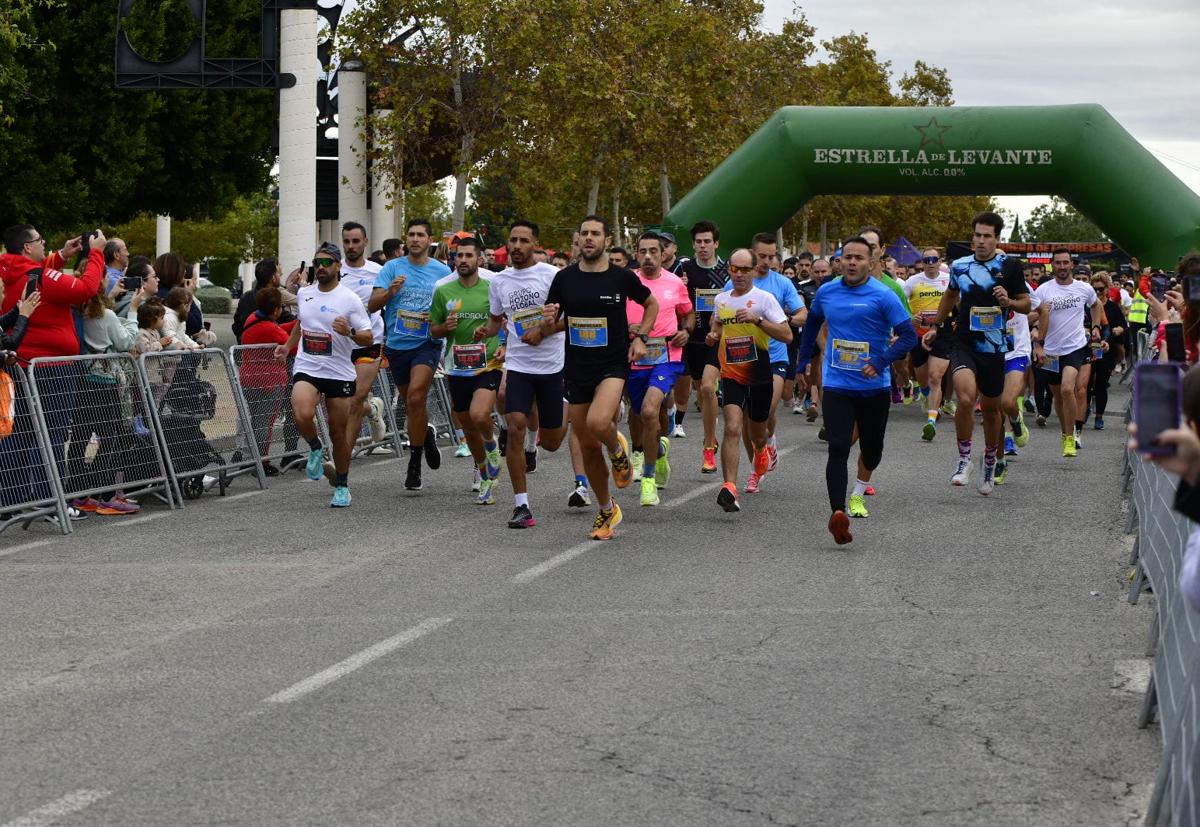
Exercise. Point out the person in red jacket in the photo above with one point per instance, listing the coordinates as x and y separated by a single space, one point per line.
264 380
52 332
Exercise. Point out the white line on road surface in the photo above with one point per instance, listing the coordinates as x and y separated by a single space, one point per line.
28 546
52 812
691 495
146 519
340 670
554 562
243 495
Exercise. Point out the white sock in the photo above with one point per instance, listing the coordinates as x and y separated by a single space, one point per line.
860 488
771 441
530 440
522 499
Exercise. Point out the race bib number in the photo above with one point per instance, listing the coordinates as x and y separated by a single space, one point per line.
527 319
316 344
587 331
469 357
985 319
412 323
656 353
740 349
1098 352
849 355
1051 364
706 300
927 317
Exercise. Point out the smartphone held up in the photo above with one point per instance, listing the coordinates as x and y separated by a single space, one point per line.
1157 405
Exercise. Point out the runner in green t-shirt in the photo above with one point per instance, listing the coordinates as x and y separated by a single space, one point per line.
473 364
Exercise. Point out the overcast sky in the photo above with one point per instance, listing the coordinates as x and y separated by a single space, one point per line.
1141 61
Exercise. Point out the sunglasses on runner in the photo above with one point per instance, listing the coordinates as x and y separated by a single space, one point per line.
323 262
931 259
733 268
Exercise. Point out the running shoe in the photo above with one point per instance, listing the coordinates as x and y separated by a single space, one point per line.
1020 432
812 413
269 470
1001 474
1068 446
1078 439
870 491
986 479
314 468
839 527
962 473
433 456
772 457
116 507
821 434
1010 447
799 409
531 460
605 522
487 493
330 473
1041 420
1099 423
476 480
522 517
709 465
412 481
88 504
752 483
621 470
375 420
638 460
762 462
678 431
662 467
580 497
1029 406
949 407
897 397
341 497
649 492
727 498
858 506
907 394
929 431
494 466
462 450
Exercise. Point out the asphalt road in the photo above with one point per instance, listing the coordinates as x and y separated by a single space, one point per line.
262 660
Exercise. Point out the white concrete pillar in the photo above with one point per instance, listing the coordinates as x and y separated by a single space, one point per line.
352 146
162 235
383 218
329 231
298 136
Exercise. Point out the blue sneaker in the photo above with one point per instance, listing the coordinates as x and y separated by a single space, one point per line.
1010 447
341 497
493 464
315 468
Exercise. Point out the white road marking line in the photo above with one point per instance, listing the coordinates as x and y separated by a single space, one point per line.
1130 677
242 496
52 812
140 520
27 546
554 562
691 495
357 661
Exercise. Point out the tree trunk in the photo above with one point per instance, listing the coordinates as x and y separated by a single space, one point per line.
804 230
779 243
664 186
824 239
618 235
465 159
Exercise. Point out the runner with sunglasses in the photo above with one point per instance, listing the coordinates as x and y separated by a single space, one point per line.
333 322
925 291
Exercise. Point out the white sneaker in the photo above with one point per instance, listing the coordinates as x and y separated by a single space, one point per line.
375 419
1078 441
475 483
678 431
986 480
963 474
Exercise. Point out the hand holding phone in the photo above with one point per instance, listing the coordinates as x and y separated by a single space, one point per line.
1157 405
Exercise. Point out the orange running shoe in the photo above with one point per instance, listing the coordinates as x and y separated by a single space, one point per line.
762 461
622 470
839 527
709 465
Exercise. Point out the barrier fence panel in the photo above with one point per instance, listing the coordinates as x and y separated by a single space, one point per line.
27 493
201 419
110 447
439 409
1174 691
266 385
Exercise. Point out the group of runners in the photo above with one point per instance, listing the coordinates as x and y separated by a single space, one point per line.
558 355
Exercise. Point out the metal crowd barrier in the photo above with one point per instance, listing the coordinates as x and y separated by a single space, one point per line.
439 409
27 492
200 418
1174 690
108 445
266 386
379 428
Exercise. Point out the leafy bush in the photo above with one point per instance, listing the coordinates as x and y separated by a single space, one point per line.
214 301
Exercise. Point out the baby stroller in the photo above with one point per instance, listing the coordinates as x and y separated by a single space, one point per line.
188 401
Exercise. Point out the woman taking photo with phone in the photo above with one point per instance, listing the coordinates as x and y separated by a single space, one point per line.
1104 360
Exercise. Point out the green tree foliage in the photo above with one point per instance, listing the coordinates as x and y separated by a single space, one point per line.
79 153
1059 221
248 231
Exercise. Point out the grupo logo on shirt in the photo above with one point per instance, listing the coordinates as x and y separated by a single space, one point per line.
1064 302
522 297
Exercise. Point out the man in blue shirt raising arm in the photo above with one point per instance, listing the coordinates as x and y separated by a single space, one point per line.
863 316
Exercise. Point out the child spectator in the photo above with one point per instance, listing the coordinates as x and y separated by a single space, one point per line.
178 302
151 316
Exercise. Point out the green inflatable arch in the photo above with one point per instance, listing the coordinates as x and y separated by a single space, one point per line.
1078 152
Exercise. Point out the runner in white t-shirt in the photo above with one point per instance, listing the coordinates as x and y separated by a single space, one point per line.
1016 364
332 321
359 274
1063 348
